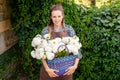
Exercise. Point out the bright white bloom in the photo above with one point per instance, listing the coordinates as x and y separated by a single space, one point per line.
73 42
38 35
66 40
48 49
53 42
39 50
39 53
55 49
76 38
39 46
33 54
47 36
58 39
72 49
36 41
43 43
75 51
50 55
78 45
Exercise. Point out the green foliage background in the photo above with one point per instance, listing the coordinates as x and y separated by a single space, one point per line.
98 30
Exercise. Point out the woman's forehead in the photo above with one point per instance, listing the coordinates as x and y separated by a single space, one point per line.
56 12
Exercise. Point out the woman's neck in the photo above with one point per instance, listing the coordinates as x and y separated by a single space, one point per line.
57 27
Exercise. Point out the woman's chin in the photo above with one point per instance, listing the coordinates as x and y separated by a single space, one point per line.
57 24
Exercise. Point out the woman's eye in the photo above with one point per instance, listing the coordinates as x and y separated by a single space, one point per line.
59 16
54 16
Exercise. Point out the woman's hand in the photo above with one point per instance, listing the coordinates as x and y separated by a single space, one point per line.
70 70
51 72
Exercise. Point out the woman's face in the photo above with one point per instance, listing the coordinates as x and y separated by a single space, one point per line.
57 17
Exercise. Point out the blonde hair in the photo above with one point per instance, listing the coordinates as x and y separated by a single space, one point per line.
53 8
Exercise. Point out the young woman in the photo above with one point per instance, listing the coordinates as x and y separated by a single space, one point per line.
58 28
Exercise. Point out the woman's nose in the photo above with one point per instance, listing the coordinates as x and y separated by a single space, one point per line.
57 18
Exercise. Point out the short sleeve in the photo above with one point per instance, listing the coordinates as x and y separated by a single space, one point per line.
70 30
44 31
79 54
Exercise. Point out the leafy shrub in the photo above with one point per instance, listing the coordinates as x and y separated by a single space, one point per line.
98 29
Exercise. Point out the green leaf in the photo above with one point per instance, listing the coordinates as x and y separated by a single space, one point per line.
117 27
111 24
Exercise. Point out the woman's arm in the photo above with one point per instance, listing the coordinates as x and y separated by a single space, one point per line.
49 70
45 64
72 69
76 63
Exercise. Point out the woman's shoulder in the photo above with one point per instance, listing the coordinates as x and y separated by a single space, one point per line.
68 26
44 30
70 30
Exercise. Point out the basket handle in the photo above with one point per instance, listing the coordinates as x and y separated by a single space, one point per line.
59 54
65 48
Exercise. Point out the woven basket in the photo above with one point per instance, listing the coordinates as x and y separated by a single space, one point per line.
62 63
